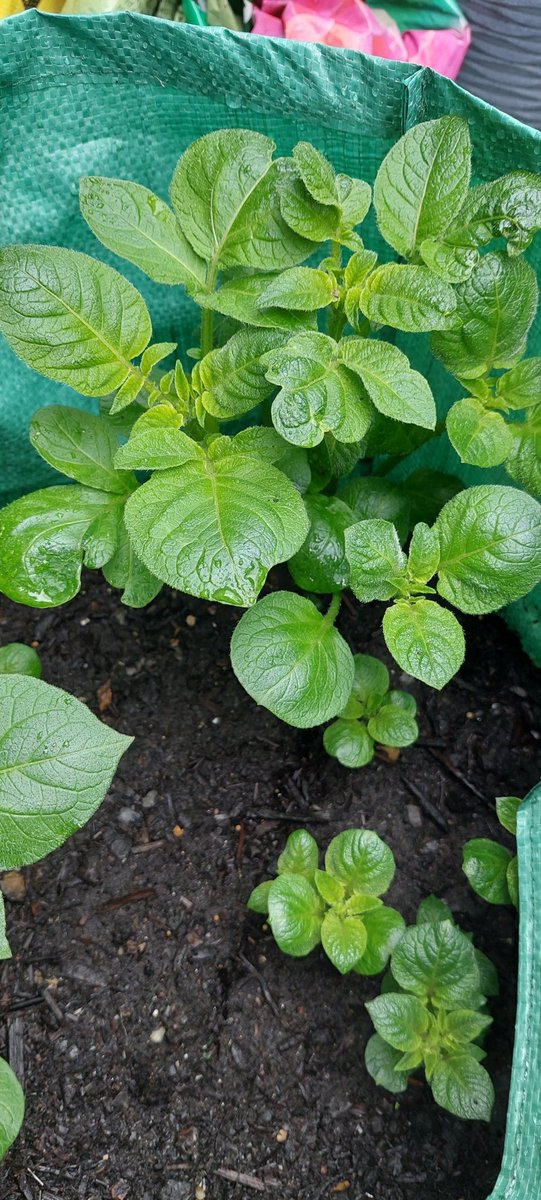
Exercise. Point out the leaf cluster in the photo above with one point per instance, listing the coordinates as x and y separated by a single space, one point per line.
491 868
339 907
432 1015
373 713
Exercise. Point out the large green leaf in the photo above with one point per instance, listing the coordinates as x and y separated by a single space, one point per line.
490 541
18 659
239 299
524 461
70 317
56 763
41 543
295 914
395 389
508 207
521 386
318 394
79 445
410 298
463 1087
497 305
134 223
425 639
316 173
213 528
232 378
373 496
349 742
384 927
400 1020
344 939
422 183
225 193
292 660
301 288
437 962
362 861
300 855
124 570
393 726
11 1107
486 863
321 565
380 1061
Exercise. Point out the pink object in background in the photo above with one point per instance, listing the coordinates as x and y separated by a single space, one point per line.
352 24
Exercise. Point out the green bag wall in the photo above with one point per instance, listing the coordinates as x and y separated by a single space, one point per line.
124 95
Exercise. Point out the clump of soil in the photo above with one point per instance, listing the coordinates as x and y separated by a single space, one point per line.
183 1056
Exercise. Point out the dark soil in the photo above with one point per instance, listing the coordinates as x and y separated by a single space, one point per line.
139 928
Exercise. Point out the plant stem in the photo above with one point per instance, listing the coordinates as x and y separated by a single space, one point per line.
207 331
336 255
333 609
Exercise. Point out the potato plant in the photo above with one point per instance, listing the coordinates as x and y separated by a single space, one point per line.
265 451
490 867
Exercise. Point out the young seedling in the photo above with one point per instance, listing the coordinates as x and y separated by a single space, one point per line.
490 867
432 1015
372 714
56 763
339 907
262 453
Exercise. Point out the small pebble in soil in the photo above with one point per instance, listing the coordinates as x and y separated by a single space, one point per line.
415 816
149 799
157 1035
282 1135
13 886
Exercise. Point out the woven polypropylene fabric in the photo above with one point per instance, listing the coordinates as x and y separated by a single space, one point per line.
124 95
520 1175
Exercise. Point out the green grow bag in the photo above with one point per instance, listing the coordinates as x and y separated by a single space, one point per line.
124 95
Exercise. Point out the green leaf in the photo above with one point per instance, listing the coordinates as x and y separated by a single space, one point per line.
18 659
295 914
349 742
292 660
394 388
463 1087
307 217
258 900
496 305
359 266
213 529
355 200
321 565
521 386
316 173
371 681
380 1061
301 855
425 639
317 392
513 881
436 961
343 939
239 299
125 570
391 726
488 975
134 223
524 461
156 354
225 193
422 183
70 317
485 863
331 890
431 909
508 207
372 496
155 449
410 298
361 860
490 541
41 537
233 377
400 1020
79 445
506 807
453 263
5 948
427 492
56 763
102 537
377 562
300 288
384 927
424 553
11 1107
479 436
465 1025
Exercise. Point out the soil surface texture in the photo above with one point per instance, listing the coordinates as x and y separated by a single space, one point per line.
171 1051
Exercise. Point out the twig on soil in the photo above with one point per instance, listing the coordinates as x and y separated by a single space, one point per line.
142 849
249 1181
454 771
129 898
270 815
427 806
266 994
18 1005
16 1047
54 1007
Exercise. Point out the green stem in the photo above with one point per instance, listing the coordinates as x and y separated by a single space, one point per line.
336 255
207 315
337 320
333 609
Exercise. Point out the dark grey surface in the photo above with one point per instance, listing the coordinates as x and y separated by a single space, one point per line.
503 65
